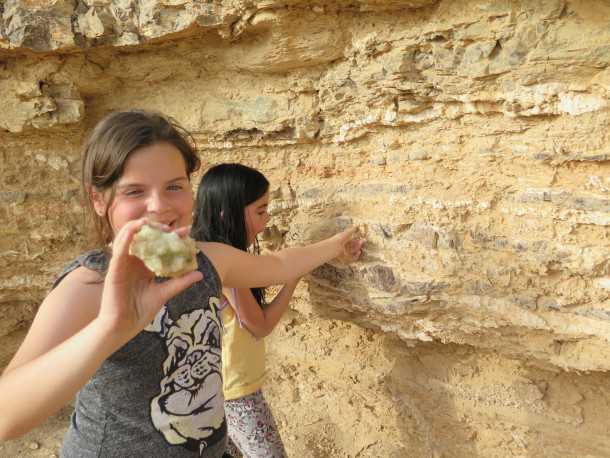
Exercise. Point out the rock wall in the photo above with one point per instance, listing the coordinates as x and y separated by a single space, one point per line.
467 139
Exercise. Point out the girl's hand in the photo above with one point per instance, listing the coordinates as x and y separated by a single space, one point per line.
132 297
349 248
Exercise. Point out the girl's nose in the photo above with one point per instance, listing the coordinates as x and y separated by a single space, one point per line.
156 203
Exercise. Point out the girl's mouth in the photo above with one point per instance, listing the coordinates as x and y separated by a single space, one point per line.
171 224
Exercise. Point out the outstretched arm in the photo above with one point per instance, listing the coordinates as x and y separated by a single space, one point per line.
238 269
261 321
68 341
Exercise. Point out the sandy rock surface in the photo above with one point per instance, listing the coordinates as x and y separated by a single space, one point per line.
469 139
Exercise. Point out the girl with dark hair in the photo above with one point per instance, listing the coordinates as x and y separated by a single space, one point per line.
141 355
231 207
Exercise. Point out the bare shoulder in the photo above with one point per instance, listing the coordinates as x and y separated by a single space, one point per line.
75 301
67 309
82 286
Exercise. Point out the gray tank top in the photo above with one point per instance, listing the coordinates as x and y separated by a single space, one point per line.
160 395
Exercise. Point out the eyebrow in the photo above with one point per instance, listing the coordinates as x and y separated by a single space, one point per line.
134 185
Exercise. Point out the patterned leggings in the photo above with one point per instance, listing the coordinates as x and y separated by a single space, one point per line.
252 429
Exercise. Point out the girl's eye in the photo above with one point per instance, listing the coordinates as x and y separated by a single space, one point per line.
175 187
133 192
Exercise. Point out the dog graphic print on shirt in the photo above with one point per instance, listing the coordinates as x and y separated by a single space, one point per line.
189 408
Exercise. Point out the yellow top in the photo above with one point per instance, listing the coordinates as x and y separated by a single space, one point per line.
243 358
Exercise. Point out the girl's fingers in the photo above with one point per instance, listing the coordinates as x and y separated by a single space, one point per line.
354 248
349 233
120 245
183 231
170 288
359 245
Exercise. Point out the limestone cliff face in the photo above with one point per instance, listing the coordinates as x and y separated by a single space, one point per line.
469 140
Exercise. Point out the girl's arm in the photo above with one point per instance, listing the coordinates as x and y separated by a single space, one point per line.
239 269
77 327
261 321
33 390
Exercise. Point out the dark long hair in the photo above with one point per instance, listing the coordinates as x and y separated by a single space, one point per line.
227 189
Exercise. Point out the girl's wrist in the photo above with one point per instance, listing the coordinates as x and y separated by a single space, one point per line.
337 246
112 330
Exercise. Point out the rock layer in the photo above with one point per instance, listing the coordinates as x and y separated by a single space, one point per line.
467 139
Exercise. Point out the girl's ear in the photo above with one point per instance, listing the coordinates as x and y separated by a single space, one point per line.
99 203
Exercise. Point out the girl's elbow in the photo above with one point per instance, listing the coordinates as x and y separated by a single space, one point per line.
261 333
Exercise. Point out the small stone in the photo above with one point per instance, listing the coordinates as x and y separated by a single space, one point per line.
33 445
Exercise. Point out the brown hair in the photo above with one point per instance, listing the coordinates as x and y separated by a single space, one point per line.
111 143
